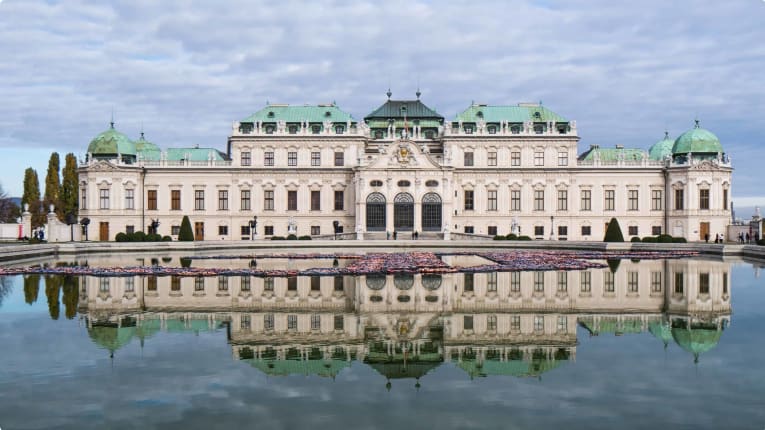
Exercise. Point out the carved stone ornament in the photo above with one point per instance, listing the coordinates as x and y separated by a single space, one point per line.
404 154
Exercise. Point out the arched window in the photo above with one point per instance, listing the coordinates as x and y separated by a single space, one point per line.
431 282
376 282
375 212
403 212
403 281
431 212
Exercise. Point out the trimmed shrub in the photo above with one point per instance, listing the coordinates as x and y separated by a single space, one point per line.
186 234
511 236
167 239
121 237
635 239
613 264
679 240
761 242
650 239
305 238
613 232
664 238
291 237
277 237
524 238
139 236
185 262
498 237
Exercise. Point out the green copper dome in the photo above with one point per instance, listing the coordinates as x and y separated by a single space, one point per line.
697 141
662 148
144 145
696 340
111 142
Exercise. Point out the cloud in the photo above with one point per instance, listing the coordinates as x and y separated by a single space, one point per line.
185 70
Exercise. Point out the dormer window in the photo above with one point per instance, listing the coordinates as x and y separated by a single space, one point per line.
293 129
492 129
339 129
537 115
538 129
315 129
515 129
403 110
271 114
468 129
327 114
270 129
429 134
378 134
479 114
562 129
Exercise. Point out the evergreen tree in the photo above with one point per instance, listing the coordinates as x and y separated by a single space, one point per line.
613 232
71 297
52 292
52 183
32 196
186 234
68 197
31 288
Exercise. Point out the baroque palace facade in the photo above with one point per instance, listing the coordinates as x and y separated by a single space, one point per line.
315 170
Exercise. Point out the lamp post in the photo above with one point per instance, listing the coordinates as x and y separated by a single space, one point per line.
335 224
154 226
84 223
253 226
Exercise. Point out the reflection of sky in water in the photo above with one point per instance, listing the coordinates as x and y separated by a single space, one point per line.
52 375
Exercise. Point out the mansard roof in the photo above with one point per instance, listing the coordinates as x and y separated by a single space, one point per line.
523 112
411 109
614 154
287 113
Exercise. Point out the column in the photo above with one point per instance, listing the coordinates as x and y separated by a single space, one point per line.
389 215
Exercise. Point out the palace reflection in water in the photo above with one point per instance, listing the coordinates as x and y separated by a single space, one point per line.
403 326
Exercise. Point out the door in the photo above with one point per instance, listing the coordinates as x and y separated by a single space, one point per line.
703 230
199 231
431 212
403 212
103 231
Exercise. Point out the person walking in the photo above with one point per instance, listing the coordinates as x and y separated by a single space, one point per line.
706 238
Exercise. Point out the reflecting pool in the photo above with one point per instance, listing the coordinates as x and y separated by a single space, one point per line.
664 343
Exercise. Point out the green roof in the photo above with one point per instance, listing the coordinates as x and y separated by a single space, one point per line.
110 337
517 368
194 154
661 330
697 140
519 114
287 113
111 142
399 123
144 145
321 367
662 148
411 109
613 154
400 370
696 340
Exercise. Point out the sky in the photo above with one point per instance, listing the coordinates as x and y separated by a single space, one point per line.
184 70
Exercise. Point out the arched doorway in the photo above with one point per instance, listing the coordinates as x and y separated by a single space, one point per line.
403 212
431 212
376 212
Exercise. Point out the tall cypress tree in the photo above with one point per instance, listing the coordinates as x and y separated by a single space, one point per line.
68 197
32 196
53 292
31 288
52 183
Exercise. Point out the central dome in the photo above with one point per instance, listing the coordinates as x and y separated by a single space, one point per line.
697 141
662 148
111 142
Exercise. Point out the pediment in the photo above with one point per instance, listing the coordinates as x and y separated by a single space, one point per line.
102 166
403 154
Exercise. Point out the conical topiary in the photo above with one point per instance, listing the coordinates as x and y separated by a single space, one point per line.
613 232
186 234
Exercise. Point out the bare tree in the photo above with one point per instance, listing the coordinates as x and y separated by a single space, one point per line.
9 211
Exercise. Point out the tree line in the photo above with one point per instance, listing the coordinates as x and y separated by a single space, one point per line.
59 192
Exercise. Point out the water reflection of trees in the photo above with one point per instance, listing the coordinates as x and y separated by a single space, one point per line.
5 289
54 286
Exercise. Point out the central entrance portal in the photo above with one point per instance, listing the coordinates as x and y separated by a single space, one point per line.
403 212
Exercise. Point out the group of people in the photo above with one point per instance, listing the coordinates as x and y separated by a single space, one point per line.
415 235
744 237
718 238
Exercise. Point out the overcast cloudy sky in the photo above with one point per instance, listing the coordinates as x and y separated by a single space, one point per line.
184 70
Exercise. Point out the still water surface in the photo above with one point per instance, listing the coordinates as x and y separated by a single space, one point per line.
670 344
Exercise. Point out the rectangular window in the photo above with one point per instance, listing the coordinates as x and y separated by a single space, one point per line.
199 283
609 284
222 200
339 322
632 230
246 158
244 230
222 230
130 199
244 283
657 201
222 283
632 199
539 200
292 200
268 284
104 285
315 230
292 322
83 198
315 158
175 283
151 283
515 158
175 200
562 231
468 200
539 230
492 159
491 282
315 322
703 283
467 322
679 283
586 200
339 283
468 159
268 158
468 281
469 229
515 200
562 200
632 282
515 322
725 200
292 129
268 200
245 200
679 200
103 199
562 282
539 323
539 158
492 204
292 158
563 158
656 282
725 283
268 230
199 200
585 282
515 282
586 230
245 322
339 200
339 159
292 283
539 282
703 199
129 284
151 200
491 323
610 200
562 323
315 283
492 230
175 230
656 230
268 321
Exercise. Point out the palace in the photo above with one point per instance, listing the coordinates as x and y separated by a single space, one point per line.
491 170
